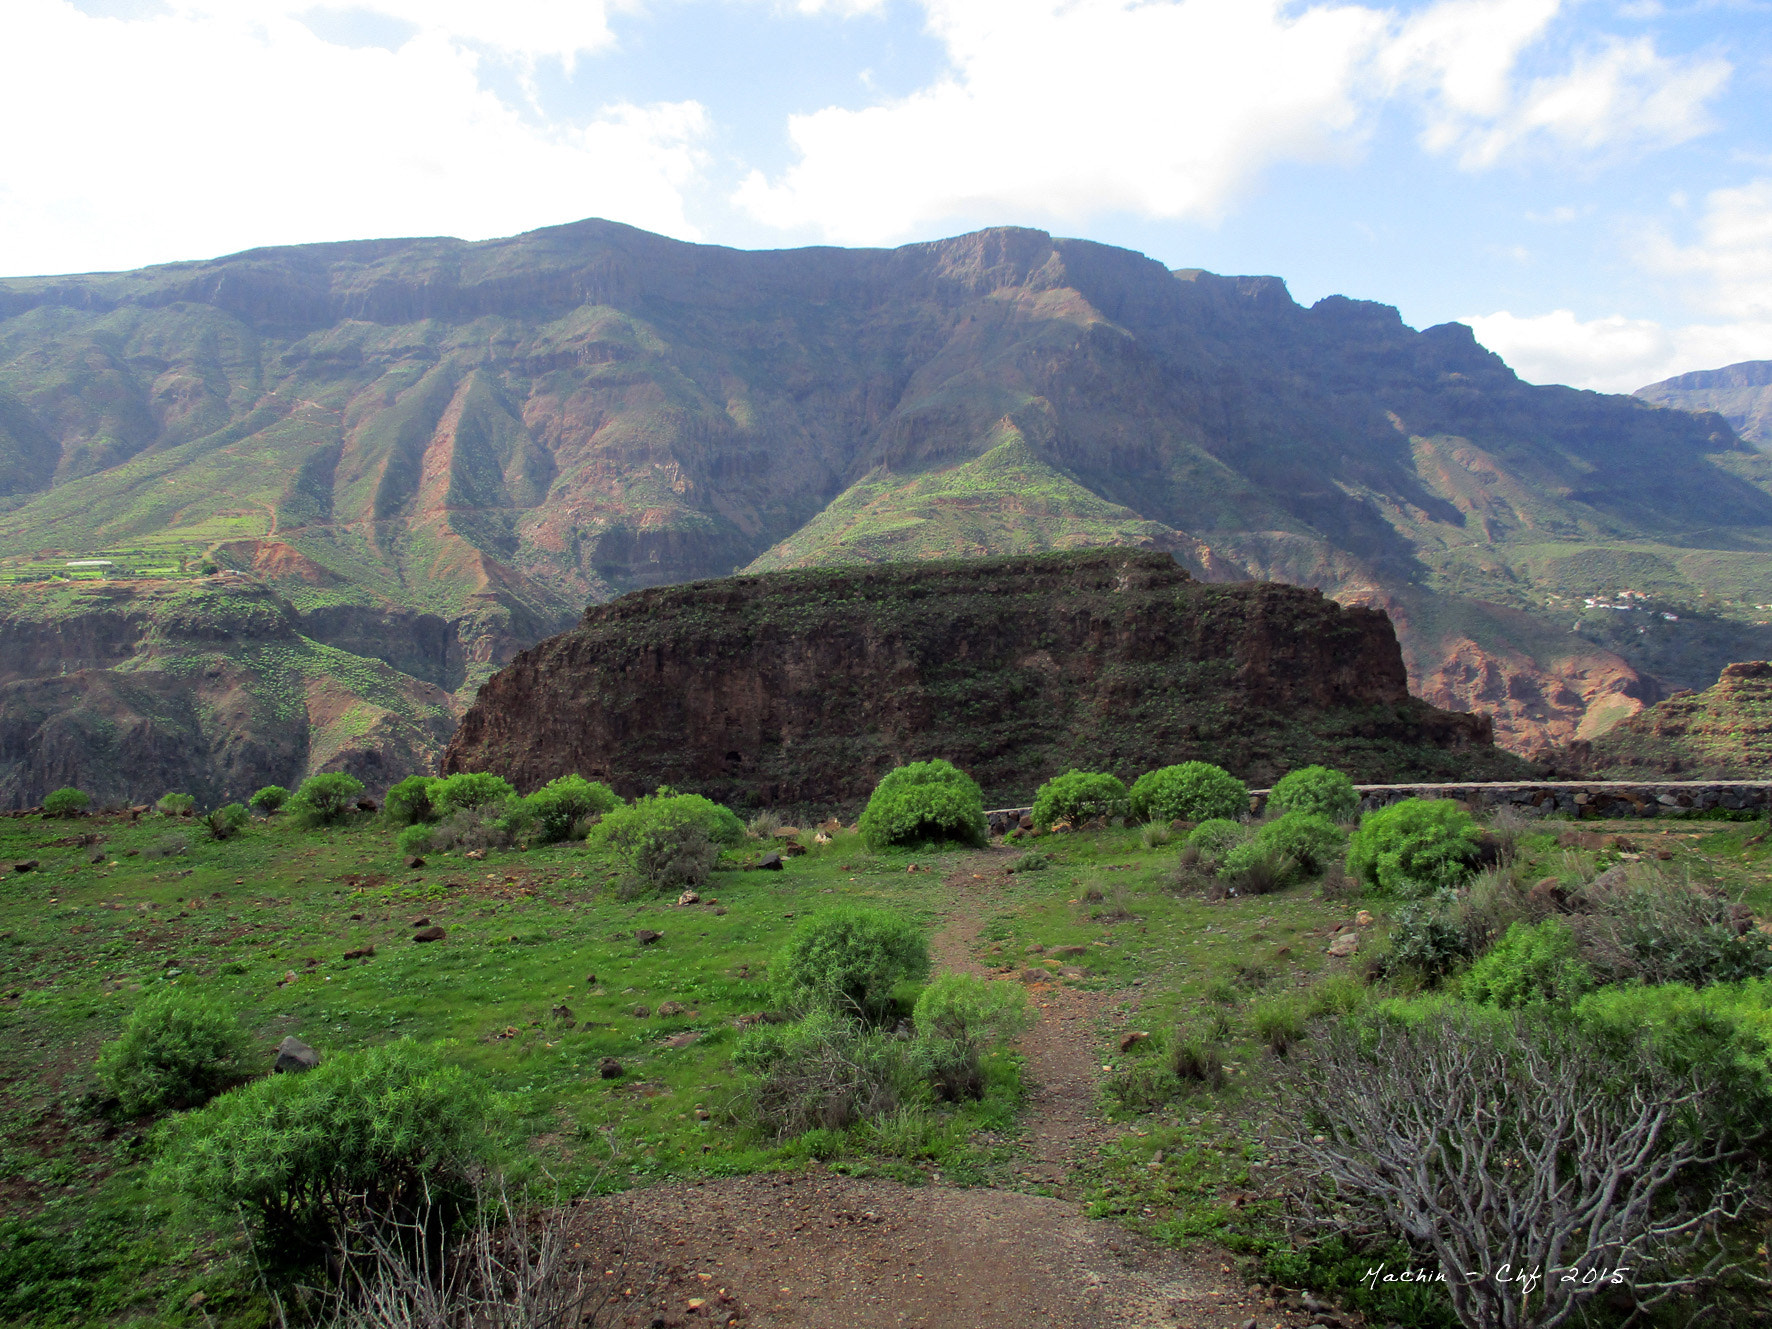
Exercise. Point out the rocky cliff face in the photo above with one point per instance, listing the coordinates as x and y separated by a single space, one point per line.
802 688
1723 732
1740 393
211 688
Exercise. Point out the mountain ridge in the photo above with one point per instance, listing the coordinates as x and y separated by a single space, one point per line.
495 433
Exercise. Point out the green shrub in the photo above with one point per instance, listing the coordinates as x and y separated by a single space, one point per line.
1077 796
1192 791
415 840
561 804
823 1072
470 789
177 1049
1194 1058
1414 847
66 803
269 799
973 1011
667 841
390 1132
1031 861
1309 839
1278 1021
1318 790
1532 963
325 799
409 802
227 821
1216 837
175 805
848 960
924 801
1426 941
1154 835
1638 925
1254 868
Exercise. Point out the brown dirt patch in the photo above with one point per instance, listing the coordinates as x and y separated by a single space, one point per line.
823 1251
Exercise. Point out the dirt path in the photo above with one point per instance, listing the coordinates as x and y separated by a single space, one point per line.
825 1251
1063 1126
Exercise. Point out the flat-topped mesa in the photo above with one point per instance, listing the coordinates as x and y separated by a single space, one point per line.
802 688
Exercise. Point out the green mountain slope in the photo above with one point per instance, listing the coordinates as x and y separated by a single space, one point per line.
488 436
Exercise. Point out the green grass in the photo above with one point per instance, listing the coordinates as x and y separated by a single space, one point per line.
264 921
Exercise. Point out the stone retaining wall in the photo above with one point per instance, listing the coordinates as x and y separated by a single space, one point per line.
1574 798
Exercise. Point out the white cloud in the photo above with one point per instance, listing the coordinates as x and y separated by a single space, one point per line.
1732 255
220 124
1615 354
1068 109
1621 96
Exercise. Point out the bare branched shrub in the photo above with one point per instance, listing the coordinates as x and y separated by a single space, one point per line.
1506 827
516 1266
481 827
765 824
1505 1147
823 1071
1635 923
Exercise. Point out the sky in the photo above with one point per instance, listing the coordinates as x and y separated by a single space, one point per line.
1587 183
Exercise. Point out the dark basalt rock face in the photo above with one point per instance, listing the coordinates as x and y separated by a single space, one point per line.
803 688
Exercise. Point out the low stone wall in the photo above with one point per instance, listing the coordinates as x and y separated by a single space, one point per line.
1578 798
1574 798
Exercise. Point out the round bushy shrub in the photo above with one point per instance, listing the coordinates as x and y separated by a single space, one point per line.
409 802
1316 789
269 799
175 805
1427 941
1254 868
848 961
227 821
466 790
561 804
1414 847
1192 791
177 1049
973 1011
66 803
415 839
1533 963
1076 796
325 799
1217 836
391 1134
1311 841
667 841
927 800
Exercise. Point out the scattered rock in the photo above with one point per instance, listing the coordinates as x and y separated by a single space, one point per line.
1067 952
769 863
25 865
1035 948
701 1114
682 1040
646 937
1345 945
295 1055
671 1008
913 868
422 921
642 1012
429 934
1364 919
414 861
1549 893
609 1068
1034 975
821 838
590 980
475 854
788 833
361 953
1132 1038
793 850
561 1012
688 897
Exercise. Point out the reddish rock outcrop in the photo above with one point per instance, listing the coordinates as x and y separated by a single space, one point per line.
804 687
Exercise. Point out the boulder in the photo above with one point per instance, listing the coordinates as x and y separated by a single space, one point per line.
25 865
647 937
429 934
1344 945
642 1012
1364 919
295 1055
414 861
688 897
609 1068
769 863
792 850
670 1008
